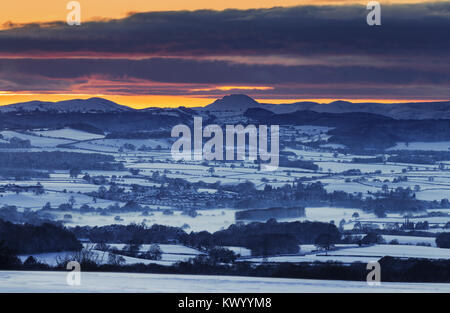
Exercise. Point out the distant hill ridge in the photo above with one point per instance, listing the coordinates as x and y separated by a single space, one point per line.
91 105
240 103
407 111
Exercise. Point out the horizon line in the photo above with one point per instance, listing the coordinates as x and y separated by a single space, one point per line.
166 101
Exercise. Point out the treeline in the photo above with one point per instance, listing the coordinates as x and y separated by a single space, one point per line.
384 231
368 160
132 233
417 270
110 209
309 165
85 127
393 270
10 213
268 238
28 238
22 174
139 135
57 160
265 214
419 157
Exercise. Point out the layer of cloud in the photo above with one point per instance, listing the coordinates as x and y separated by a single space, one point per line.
305 30
215 72
161 76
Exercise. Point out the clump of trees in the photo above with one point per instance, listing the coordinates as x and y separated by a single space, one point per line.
153 253
28 238
58 160
267 238
272 244
325 241
8 259
372 238
443 240
222 255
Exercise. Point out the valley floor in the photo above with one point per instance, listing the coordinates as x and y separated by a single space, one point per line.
25 281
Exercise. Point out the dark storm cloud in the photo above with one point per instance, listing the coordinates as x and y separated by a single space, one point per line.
214 72
406 29
161 76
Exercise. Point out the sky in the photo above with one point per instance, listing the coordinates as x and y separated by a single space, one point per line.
187 53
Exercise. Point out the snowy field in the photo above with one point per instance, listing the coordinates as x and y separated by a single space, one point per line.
170 255
13 281
101 257
36 140
68 133
411 240
32 201
327 214
354 253
209 220
401 251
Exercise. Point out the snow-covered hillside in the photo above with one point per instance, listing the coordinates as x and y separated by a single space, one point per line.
412 110
91 105
13 281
